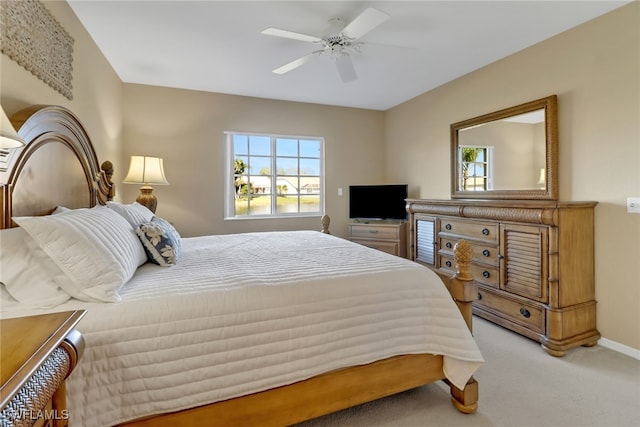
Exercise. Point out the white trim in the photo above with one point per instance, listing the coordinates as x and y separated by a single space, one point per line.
229 184
620 348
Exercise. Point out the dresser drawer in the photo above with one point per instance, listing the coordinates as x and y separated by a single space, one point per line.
388 247
482 273
470 229
527 315
378 232
482 253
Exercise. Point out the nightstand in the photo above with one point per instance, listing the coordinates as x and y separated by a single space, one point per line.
37 354
386 236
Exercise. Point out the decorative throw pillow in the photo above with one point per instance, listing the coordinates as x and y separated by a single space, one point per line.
135 213
96 248
161 241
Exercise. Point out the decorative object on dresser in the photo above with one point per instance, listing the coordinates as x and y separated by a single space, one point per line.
38 354
146 170
533 261
386 235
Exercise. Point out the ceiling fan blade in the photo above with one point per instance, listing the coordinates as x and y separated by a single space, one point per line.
297 62
365 22
345 68
291 35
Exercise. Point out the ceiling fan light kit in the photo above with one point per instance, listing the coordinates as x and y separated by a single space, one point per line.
339 40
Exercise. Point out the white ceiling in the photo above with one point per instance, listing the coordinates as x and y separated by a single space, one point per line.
216 46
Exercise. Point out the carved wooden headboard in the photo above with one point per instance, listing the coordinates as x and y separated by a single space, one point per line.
58 166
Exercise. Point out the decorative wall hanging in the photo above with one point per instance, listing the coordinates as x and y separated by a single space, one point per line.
32 37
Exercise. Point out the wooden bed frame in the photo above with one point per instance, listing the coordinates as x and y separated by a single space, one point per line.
59 166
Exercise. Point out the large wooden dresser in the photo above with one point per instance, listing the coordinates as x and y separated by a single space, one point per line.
533 261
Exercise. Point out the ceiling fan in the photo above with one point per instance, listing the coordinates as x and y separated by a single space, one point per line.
339 40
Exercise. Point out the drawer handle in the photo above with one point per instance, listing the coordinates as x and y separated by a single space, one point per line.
500 257
373 231
486 252
449 245
485 231
479 296
525 312
448 226
448 263
486 274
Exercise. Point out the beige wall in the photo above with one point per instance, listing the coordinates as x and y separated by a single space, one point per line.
595 70
186 129
97 90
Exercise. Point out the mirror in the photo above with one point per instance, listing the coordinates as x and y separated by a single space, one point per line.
508 154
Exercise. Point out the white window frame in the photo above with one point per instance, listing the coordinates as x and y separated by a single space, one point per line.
229 181
489 163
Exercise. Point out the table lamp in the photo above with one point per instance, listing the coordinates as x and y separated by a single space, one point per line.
8 136
146 170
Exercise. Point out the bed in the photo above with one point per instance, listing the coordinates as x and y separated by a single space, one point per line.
269 328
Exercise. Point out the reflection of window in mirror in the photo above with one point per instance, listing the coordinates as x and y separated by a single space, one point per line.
476 167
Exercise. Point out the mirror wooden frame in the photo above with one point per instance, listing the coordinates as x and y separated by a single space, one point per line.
550 192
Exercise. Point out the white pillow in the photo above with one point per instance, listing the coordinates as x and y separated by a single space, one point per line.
60 209
96 248
134 213
28 274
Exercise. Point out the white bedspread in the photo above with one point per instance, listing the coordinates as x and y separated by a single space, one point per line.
247 312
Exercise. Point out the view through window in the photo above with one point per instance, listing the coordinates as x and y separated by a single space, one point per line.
274 175
475 168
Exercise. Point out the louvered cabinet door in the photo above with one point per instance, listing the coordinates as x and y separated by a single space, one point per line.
424 246
524 265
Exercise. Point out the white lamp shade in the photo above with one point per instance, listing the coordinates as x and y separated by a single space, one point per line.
8 136
146 170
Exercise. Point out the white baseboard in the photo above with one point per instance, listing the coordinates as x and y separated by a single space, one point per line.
620 348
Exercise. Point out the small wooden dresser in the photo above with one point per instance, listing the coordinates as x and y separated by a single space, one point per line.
533 261
38 353
386 236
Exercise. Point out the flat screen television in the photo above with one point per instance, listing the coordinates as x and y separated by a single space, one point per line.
378 201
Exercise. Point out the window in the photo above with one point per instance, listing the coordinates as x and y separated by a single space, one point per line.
475 168
273 175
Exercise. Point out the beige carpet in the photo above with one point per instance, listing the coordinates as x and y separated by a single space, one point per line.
520 385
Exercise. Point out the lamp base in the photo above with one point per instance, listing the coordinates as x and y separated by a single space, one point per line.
146 198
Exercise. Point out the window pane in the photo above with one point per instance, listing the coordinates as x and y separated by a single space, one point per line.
241 165
310 203
241 205
260 205
260 145
310 185
287 147
287 204
287 166
240 144
310 148
260 165
260 184
287 185
309 166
